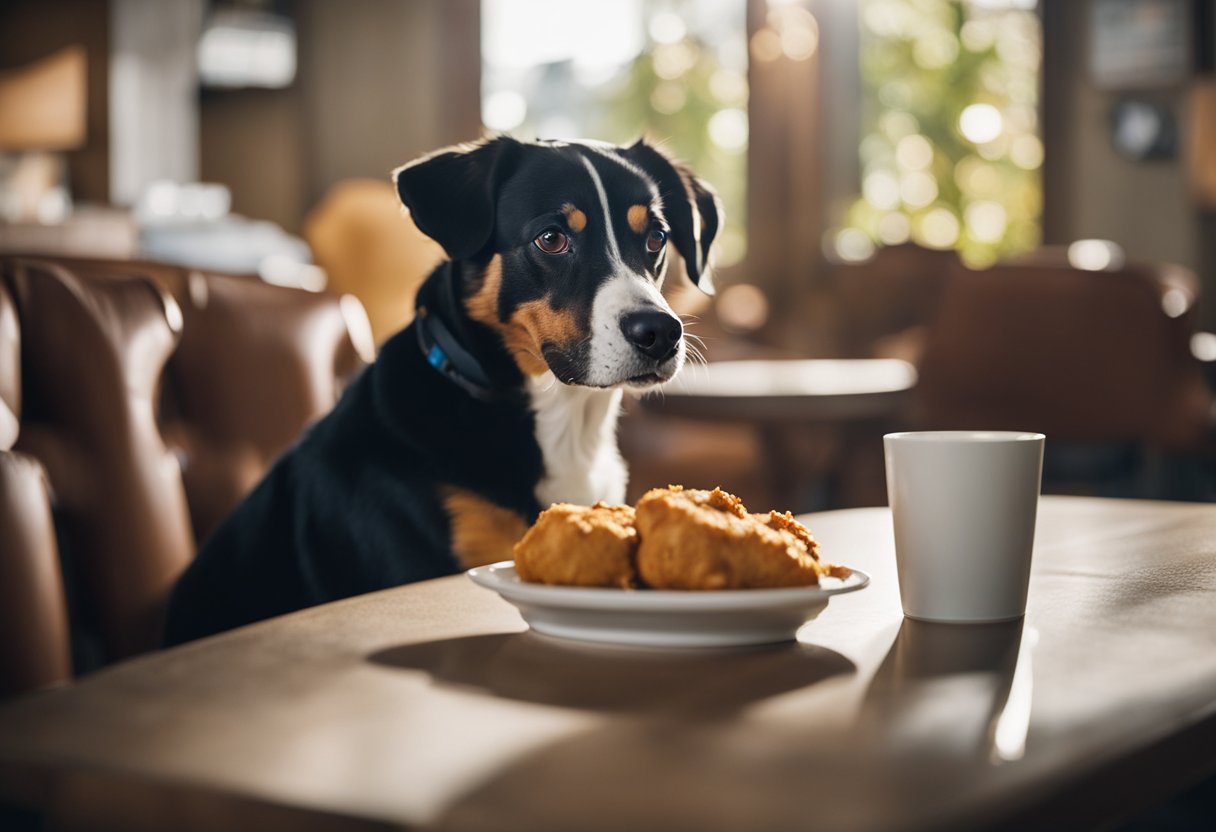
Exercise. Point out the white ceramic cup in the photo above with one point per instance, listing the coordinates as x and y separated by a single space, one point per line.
964 505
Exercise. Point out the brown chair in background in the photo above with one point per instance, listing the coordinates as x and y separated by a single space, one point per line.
35 650
369 249
885 304
1082 356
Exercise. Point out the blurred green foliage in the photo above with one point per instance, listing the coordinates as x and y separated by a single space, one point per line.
923 64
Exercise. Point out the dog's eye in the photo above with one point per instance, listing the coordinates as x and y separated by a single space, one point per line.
552 241
655 240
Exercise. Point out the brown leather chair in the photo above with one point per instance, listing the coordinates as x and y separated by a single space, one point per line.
885 304
92 356
35 651
255 364
1082 356
106 363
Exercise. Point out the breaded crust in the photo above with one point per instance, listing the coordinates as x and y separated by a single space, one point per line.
694 539
580 546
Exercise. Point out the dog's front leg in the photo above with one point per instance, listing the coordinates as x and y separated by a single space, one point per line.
482 532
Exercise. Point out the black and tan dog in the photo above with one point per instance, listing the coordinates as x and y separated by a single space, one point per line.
499 399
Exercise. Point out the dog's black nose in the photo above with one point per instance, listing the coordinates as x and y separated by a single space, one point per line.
656 334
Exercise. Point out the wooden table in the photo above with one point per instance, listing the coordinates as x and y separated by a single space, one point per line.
843 406
429 706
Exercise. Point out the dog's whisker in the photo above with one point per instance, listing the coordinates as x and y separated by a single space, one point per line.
695 346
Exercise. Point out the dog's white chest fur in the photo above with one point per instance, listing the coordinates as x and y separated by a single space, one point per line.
576 431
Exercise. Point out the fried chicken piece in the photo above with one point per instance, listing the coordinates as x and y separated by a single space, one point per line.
580 546
694 539
785 521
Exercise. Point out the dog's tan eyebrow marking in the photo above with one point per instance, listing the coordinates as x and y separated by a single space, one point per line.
575 218
639 218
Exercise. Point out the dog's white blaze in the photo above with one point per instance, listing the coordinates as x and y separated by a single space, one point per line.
576 431
614 251
611 358
609 151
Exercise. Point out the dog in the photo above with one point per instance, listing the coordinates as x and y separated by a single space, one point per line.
499 399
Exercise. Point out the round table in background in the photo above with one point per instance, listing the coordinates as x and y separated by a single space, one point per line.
856 399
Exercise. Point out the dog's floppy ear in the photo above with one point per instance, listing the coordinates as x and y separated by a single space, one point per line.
451 193
691 206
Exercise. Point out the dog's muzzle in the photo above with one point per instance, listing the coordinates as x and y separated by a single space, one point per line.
635 337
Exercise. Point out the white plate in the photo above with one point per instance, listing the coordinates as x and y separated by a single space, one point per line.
664 618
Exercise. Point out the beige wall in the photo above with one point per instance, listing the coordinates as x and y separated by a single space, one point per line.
378 84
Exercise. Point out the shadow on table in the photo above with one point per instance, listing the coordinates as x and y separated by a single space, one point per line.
970 682
696 684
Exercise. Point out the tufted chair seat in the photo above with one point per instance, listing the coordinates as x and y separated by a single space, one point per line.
138 404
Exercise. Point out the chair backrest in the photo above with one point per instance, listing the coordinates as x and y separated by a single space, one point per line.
35 650
899 288
359 236
139 419
142 416
255 364
92 356
1079 355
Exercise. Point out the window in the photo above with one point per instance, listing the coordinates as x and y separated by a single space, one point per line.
950 154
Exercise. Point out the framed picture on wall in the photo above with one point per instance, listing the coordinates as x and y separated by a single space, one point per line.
1141 44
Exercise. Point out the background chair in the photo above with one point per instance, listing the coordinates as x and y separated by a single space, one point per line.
884 304
1086 357
359 235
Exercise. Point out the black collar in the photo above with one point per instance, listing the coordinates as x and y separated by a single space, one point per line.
441 347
